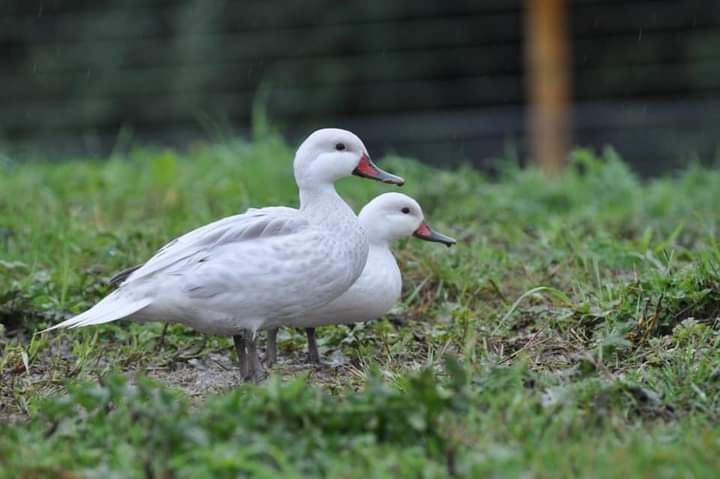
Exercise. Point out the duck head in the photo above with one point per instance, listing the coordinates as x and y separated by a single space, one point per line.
392 216
330 154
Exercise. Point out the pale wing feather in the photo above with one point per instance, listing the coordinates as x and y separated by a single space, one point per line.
254 224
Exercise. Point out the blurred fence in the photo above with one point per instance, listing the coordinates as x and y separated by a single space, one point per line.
440 80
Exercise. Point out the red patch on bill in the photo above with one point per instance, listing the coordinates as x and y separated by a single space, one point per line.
365 167
423 230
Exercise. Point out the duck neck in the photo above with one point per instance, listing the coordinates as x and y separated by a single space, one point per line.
379 243
320 203
380 255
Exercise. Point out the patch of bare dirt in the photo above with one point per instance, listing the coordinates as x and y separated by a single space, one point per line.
198 377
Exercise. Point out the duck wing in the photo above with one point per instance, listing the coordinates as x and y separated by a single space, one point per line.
120 277
251 225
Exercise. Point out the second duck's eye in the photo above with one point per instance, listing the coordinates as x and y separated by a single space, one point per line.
340 146
405 210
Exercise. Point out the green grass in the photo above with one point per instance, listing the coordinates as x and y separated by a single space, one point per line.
573 331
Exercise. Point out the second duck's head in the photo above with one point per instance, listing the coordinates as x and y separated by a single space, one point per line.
330 154
393 216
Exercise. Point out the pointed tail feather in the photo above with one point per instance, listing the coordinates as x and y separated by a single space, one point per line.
111 308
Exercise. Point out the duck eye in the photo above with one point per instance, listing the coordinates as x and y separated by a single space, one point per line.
405 210
340 146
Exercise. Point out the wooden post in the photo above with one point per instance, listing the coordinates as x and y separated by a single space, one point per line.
548 82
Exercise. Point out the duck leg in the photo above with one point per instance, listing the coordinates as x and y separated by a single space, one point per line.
256 372
239 341
271 352
161 341
313 352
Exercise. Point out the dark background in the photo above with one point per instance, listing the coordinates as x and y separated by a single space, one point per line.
439 80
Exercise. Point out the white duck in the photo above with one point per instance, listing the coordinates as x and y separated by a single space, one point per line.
387 218
259 269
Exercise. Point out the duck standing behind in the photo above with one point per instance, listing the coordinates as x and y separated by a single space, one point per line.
387 218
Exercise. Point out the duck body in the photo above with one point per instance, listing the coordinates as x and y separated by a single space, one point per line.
251 271
374 293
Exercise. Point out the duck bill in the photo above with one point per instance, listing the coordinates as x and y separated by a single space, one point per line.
367 169
424 232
